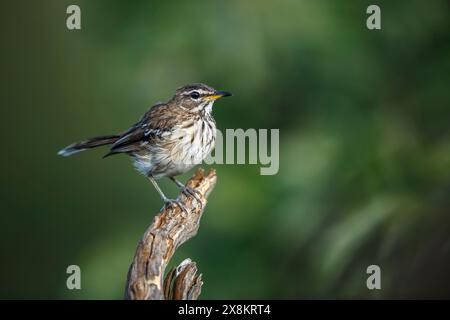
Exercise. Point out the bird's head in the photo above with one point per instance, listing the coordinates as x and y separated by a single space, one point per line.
197 97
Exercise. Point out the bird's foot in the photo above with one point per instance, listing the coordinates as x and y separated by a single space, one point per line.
175 202
188 191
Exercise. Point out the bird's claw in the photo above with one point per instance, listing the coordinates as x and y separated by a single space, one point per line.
178 203
188 191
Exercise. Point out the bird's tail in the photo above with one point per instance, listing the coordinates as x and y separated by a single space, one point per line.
87 144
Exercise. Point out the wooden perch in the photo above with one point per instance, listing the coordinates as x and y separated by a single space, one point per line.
170 229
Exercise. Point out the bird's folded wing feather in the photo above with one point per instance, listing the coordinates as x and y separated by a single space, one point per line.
157 122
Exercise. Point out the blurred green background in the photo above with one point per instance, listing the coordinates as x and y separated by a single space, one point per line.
364 145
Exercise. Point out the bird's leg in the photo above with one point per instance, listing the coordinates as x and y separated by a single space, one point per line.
165 199
188 191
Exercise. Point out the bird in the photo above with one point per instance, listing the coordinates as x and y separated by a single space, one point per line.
170 138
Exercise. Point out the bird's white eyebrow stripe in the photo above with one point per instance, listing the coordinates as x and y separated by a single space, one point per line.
200 91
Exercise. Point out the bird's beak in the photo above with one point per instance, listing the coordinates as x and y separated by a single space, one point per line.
218 95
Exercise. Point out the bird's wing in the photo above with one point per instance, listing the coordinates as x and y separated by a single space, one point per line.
154 125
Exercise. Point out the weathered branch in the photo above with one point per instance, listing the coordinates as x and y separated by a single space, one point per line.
170 229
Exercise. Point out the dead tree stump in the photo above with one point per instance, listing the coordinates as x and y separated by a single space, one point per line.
170 229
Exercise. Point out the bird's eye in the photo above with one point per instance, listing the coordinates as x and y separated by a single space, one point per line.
195 95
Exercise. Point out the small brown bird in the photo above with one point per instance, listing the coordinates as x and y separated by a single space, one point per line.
170 139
